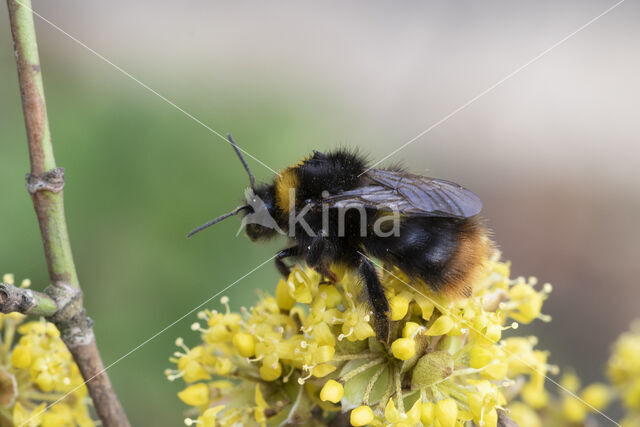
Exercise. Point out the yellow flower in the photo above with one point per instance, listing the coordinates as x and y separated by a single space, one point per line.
447 412
446 357
524 416
403 348
191 364
270 370
410 329
597 396
207 419
427 413
534 393
284 300
624 367
23 417
21 356
261 406
36 369
481 355
400 419
300 286
483 402
245 344
332 391
573 409
195 395
356 326
441 326
399 307
361 416
525 302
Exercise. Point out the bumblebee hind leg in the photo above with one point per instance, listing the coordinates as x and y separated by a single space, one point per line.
377 299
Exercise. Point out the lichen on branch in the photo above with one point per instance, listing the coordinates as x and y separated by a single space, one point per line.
25 301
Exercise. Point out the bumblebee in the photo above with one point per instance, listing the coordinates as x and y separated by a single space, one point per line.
337 211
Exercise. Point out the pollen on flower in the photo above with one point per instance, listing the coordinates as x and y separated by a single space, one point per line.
313 345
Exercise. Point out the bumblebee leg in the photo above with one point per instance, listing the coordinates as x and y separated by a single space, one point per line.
318 257
328 276
377 299
283 268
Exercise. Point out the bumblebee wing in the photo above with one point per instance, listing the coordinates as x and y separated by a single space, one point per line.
409 194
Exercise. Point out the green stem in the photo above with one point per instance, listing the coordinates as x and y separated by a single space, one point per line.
360 369
400 398
372 382
341 357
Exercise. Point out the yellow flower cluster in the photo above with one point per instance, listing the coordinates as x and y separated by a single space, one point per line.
36 372
570 408
624 372
313 346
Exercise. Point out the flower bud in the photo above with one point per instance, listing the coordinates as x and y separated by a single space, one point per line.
44 381
480 356
332 392
403 348
21 356
361 416
208 418
493 332
427 413
270 372
283 299
597 395
324 335
447 412
523 415
409 329
299 287
399 306
441 326
245 344
574 410
323 369
195 395
333 297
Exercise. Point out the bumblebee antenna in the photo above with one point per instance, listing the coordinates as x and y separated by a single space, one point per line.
217 220
252 180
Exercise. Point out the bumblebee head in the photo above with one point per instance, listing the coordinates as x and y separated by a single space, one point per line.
259 218
258 214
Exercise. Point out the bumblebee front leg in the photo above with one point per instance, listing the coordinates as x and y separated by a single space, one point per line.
319 255
283 268
377 298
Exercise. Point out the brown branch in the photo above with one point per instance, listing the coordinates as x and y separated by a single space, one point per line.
45 184
505 421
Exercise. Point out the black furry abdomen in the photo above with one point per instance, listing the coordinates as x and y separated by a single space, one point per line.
439 251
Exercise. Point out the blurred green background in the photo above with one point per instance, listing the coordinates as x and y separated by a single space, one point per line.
552 152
